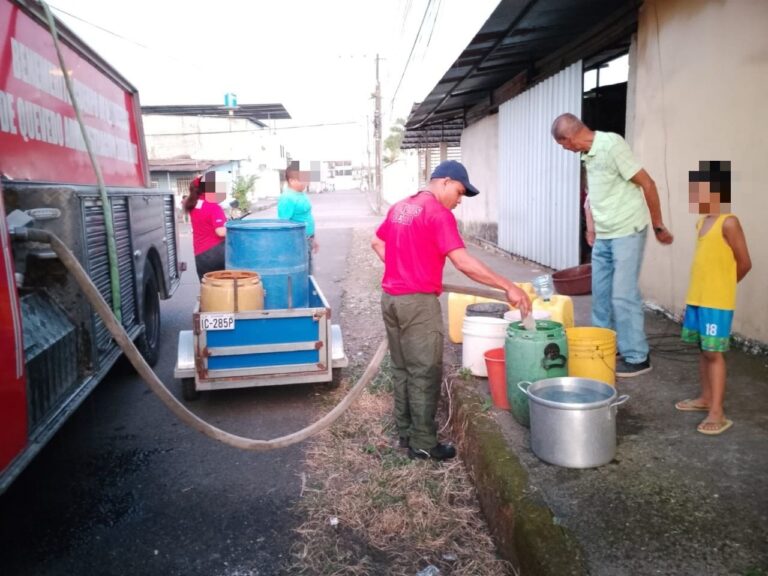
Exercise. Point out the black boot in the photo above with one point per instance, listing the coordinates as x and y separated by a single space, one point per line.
438 452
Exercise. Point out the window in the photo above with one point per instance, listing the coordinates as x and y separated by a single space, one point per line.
612 72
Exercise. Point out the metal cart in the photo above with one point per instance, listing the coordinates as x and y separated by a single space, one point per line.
260 348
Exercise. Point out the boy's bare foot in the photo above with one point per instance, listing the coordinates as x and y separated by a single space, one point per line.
714 427
692 405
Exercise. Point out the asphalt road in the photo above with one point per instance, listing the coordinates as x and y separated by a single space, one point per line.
124 488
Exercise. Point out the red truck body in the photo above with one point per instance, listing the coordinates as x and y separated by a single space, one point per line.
53 348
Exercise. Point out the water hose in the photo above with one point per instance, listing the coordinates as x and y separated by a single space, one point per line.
117 331
106 205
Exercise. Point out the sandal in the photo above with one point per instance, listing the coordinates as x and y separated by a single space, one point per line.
690 405
712 428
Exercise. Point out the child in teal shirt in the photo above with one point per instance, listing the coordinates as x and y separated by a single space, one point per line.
295 206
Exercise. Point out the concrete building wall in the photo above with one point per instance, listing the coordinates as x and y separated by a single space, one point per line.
257 150
700 94
401 178
480 155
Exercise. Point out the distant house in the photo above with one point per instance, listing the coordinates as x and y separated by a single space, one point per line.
181 139
176 173
696 77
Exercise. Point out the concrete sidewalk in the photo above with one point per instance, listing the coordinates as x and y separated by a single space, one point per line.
672 502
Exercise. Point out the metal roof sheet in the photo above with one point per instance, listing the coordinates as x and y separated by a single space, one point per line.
526 40
253 112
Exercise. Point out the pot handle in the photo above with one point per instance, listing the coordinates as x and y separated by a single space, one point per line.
525 390
620 400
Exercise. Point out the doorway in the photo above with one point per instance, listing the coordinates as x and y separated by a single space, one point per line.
604 108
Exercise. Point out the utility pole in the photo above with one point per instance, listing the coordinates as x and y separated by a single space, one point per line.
377 137
368 178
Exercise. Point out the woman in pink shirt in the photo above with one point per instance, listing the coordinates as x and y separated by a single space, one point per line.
208 229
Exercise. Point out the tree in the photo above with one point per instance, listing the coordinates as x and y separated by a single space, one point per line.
393 141
241 188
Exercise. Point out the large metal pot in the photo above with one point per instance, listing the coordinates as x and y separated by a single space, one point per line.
573 420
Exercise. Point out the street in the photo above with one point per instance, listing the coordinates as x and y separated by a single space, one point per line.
124 488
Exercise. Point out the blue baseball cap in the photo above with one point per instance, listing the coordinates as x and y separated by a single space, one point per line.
455 171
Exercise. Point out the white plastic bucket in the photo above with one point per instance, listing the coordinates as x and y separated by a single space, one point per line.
514 315
481 334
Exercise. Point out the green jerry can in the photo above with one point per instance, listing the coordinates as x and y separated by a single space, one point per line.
532 356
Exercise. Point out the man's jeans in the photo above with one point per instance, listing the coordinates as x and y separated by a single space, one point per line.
616 299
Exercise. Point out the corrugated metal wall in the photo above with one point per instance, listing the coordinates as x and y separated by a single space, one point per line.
451 153
538 180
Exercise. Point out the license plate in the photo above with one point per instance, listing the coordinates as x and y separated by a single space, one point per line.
217 321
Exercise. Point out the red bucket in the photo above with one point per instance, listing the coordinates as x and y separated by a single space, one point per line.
497 377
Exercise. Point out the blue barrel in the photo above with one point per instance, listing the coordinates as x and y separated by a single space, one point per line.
277 250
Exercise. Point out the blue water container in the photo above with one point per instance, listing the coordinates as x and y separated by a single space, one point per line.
277 250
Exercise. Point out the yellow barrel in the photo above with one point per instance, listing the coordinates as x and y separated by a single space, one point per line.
231 291
457 309
560 308
592 353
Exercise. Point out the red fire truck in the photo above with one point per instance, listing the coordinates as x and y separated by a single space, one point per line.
53 348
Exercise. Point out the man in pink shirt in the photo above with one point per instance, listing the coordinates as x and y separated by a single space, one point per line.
413 242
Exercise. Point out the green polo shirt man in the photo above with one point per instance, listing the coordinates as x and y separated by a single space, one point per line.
621 201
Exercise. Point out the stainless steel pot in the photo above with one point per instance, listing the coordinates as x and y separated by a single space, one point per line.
573 420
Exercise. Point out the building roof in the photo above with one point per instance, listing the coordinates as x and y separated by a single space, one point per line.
253 112
432 135
183 164
522 42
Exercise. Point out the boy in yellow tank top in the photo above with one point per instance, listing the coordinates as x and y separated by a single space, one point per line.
721 260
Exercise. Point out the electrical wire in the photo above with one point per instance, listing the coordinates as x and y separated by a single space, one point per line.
322 125
413 47
115 34
405 16
434 23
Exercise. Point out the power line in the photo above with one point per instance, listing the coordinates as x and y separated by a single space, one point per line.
123 38
434 23
415 41
405 16
322 125
115 34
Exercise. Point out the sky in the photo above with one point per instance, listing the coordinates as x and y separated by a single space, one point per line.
317 58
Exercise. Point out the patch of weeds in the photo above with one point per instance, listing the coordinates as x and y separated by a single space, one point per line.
388 426
465 374
395 459
486 405
383 499
756 571
383 382
433 489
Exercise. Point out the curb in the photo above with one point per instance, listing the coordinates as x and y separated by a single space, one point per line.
522 525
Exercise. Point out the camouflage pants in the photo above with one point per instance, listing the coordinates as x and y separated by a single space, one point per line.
414 324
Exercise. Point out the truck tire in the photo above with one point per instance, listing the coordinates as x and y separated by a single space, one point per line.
188 391
149 341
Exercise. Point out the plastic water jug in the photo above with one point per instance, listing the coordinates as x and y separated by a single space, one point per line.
544 287
532 356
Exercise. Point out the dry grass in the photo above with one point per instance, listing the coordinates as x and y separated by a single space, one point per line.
395 516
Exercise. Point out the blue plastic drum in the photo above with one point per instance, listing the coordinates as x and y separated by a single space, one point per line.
277 250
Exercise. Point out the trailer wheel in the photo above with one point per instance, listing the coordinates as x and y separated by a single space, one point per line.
149 342
335 382
188 390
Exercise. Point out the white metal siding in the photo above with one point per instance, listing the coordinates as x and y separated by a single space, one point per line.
451 153
538 180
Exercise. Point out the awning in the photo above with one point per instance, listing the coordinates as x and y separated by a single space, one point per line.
522 42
